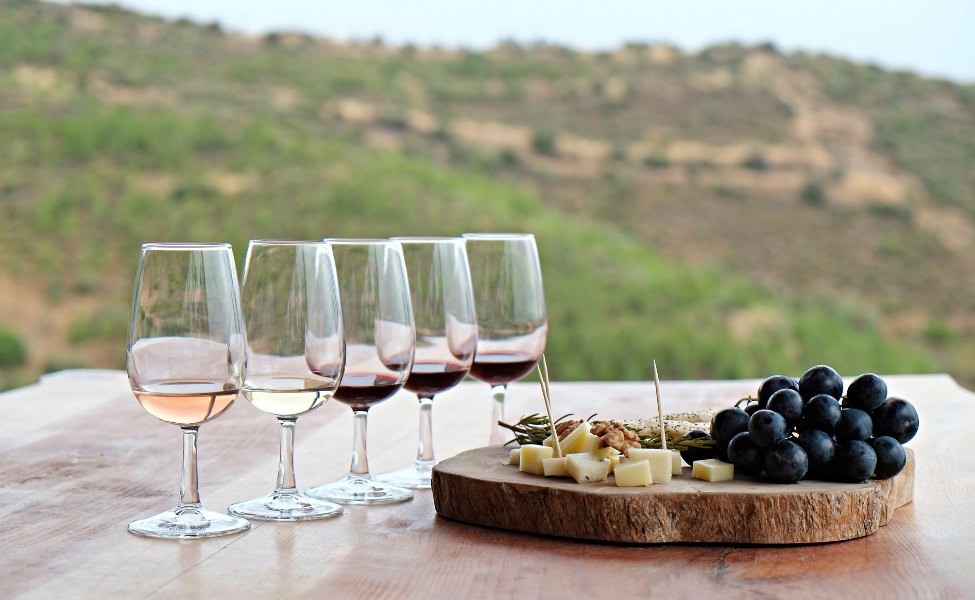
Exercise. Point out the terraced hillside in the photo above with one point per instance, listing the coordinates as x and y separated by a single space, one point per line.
730 213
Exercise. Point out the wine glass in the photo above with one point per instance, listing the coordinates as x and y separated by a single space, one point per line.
511 320
380 341
446 336
185 361
295 356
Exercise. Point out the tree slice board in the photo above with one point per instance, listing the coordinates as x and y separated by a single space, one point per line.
476 487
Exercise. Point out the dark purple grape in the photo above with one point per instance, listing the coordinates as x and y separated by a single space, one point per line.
820 379
728 423
721 451
854 425
787 403
891 457
746 455
819 447
854 461
822 412
692 454
766 426
867 392
786 462
772 385
751 408
896 418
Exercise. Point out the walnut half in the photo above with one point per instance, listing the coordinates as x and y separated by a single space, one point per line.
611 433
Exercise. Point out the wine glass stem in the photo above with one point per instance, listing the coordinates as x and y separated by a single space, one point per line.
360 463
189 485
286 462
497 432
424 450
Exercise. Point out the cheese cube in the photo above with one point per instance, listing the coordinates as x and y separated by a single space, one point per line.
614 461
530 458
633 474
677 469
587 443
661 463
554 467
713 470
606 452
572 442
586 468
514 457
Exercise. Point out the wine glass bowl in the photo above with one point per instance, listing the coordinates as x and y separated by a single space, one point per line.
380 343
185 361
512 322
295 355
446 337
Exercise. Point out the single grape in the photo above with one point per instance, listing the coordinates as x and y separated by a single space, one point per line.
746 455
819 447
786 462
854 425
766 426
896 418
822 412
751 408
854 461
728 423
891 457
772 385
867 392
692 454
820 379
787 403
721 451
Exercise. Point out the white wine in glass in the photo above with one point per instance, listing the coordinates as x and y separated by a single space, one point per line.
185 361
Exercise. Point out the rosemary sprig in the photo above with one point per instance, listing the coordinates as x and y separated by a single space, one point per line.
534 428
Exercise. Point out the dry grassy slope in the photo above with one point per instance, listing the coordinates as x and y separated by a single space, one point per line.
791 170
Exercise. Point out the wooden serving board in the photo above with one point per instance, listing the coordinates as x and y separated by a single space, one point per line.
476 487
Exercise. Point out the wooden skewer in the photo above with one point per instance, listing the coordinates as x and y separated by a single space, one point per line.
546 395
660 410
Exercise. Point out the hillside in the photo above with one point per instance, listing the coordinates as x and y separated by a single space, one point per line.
730 213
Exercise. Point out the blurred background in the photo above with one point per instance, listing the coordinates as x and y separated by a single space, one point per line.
733 189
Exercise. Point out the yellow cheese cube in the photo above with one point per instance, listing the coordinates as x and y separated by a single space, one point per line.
572 442
713 470
614 461
586 468
677 469
634 473
661 463
554 467
514 457
606 452
531 456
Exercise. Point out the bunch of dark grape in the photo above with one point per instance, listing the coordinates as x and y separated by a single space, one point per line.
807 429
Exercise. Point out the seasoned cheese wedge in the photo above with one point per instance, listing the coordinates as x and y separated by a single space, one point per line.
514 457
531 456
661 463
586 468
713 470
633 474
554 467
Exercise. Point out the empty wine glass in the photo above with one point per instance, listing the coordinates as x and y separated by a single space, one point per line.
446 337
380 340
185 358
295 356
511 320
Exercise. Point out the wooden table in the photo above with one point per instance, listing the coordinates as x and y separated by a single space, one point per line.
79 459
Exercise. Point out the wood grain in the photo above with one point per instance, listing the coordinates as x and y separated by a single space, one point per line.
477 487
79 459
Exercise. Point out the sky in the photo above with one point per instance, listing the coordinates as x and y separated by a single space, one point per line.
933 37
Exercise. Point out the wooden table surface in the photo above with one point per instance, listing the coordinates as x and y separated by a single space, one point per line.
79 459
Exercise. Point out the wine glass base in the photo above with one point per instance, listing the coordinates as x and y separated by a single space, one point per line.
287 506
416 476
188 523
360 489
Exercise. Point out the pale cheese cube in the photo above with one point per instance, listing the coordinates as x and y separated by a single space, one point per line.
661 463
531 456
554 467
587 443
606 452
614 461
572 442
677 469
633 474
713 470
514 457
586 468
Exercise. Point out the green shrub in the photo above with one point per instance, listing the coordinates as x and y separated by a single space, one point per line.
656 161
13 350
104 324
756 162
543 142
813 194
